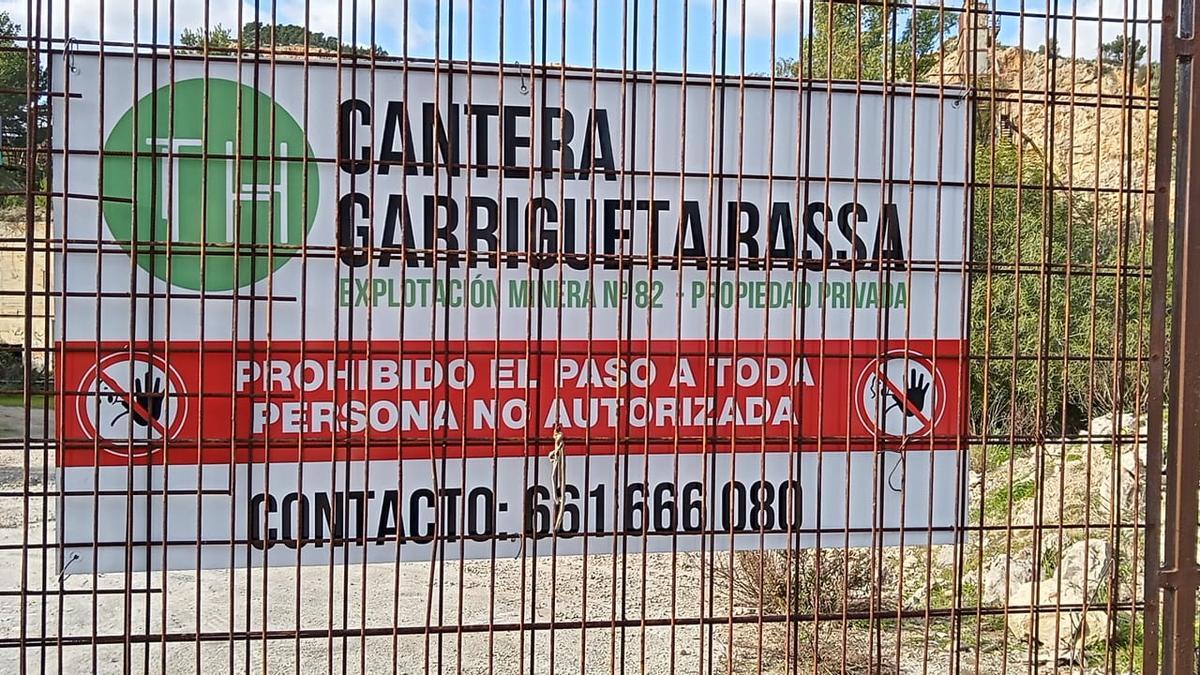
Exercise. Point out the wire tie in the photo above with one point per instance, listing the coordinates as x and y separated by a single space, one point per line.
558 473
63 572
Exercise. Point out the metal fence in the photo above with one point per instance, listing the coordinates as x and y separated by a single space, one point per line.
547 336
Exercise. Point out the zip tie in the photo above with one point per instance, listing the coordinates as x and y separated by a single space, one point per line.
898 467
72 47
63 572
891 478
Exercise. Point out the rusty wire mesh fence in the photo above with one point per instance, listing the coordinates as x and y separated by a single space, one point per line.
543 336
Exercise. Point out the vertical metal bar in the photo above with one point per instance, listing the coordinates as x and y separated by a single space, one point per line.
26 370
1179 578
1158 346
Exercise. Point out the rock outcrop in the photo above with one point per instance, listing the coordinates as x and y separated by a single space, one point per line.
1092 124
1072 589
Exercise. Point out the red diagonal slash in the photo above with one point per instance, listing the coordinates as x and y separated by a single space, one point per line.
903 397
134 405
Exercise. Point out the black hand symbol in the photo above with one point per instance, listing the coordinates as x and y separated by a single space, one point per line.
918 388
148 394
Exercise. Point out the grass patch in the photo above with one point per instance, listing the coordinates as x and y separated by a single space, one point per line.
998 456
1127 644
1050 559
35 400
995 505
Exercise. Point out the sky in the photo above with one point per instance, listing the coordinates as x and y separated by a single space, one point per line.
668 35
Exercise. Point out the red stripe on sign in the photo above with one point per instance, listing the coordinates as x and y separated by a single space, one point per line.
321 401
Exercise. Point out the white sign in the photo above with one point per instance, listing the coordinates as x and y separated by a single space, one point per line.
732 312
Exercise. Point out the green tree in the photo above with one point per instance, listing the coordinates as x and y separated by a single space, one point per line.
1050 48
1039 336
1122 50
870 43
218 37
22 83
256 35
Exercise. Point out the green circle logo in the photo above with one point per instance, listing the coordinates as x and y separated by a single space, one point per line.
212 171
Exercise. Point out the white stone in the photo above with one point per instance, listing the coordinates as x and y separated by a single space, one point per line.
1083 567
1062 633
1017 571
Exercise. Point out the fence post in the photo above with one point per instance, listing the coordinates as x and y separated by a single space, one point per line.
1179 576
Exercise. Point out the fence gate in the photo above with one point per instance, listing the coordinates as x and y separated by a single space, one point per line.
571 337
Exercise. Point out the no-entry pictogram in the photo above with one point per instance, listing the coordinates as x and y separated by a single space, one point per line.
901 394
129 401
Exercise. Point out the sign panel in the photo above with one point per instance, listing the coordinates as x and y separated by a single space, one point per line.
326 311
